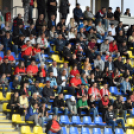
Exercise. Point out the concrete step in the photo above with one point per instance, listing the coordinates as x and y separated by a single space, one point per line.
5 121
1 114
7 129
6 125
15 132
2 117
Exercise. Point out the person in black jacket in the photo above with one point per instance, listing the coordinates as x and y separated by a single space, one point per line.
123 49
110 119
117 14
127 12
120 28
53 126
67 52
30 30
17 21
59 104
64 8
51 22
41 7
52 8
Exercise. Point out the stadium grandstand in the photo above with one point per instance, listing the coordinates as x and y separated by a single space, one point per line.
66 67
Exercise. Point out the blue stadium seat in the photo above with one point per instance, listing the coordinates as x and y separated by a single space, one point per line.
76 120
67 97
108 131
96 131
98 121
119 131
64 130
1 54
85 130
124 98
11 85
114 90
73 130
87 120
64 120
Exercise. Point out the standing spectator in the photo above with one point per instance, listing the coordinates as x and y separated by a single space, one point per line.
18 21
78 15
117 14
52 8
41 7
31 11
64 8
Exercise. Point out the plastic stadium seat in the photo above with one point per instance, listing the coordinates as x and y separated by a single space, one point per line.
11 85
64 120
73 130
114 90
1 54
37 130
4 107
130 122
85 130
130 54
130 131
8 96
96 131
17 119
64 130
87 120
1 97
108 131
124 98
119 131
41 85
67 97
13 54
98 121
76 120
25 130
56 58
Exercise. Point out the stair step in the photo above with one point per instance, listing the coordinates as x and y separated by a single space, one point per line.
7 129
10 132
2 117
5 121
6 125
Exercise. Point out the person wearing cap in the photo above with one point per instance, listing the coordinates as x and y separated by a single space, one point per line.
31 38
103 106
53 126
33 115
78 15
111 120
48 92
82 105
71 103
126 86
59 104
88 14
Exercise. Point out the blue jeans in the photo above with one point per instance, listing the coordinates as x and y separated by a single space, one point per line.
128 111
111 122
15 49
101 37
59 132
55 109
3 88
95 112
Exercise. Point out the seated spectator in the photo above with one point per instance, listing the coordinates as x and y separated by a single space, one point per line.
64 32
101 16
91 35
88 14
117 14
91 103
81 34
48 92
74 71
110 37
110 119
84 80
71 103
44 30
30 30
78 15
128 66
34 98
91 78
37 53
67 52
33 115
24 104
61 23
10 57
17 21
101 34
94 91
42 66
113 48
40 22
53 126
130 30
90 26
43 43
104 47
103 106
82 105
66 68
126 86
109 64
32 39
51 22
53 69
104 91
120 28
123 49
99 62
41 78
4 83
92 44
6 67
110 17
112 29
19 41
131 39
24 88
26 52
127 12
33 68
59 104
72 23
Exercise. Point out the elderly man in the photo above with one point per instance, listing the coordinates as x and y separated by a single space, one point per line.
88 14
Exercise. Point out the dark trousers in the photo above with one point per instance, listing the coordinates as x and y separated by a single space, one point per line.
84 110
41 10
103 111
26 58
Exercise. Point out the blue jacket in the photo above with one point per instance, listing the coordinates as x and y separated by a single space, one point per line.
78 13
59 44
124 87
30 113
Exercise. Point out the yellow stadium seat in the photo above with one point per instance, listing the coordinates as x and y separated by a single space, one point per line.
65 91
130 122
4 107
8 96
56 58
17 119
29 122
131 48
130 54
54 47
25 130
41 85
1 97
130 131
37 130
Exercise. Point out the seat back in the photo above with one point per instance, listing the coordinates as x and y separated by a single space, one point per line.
85 130
86 119
130 131
25 130
119 131
8 96
108 131
73 130
64 130
130 121
113 89
96 131
75 119
98 119
67 97
1 96
64 118
37 130
4 106
16 117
